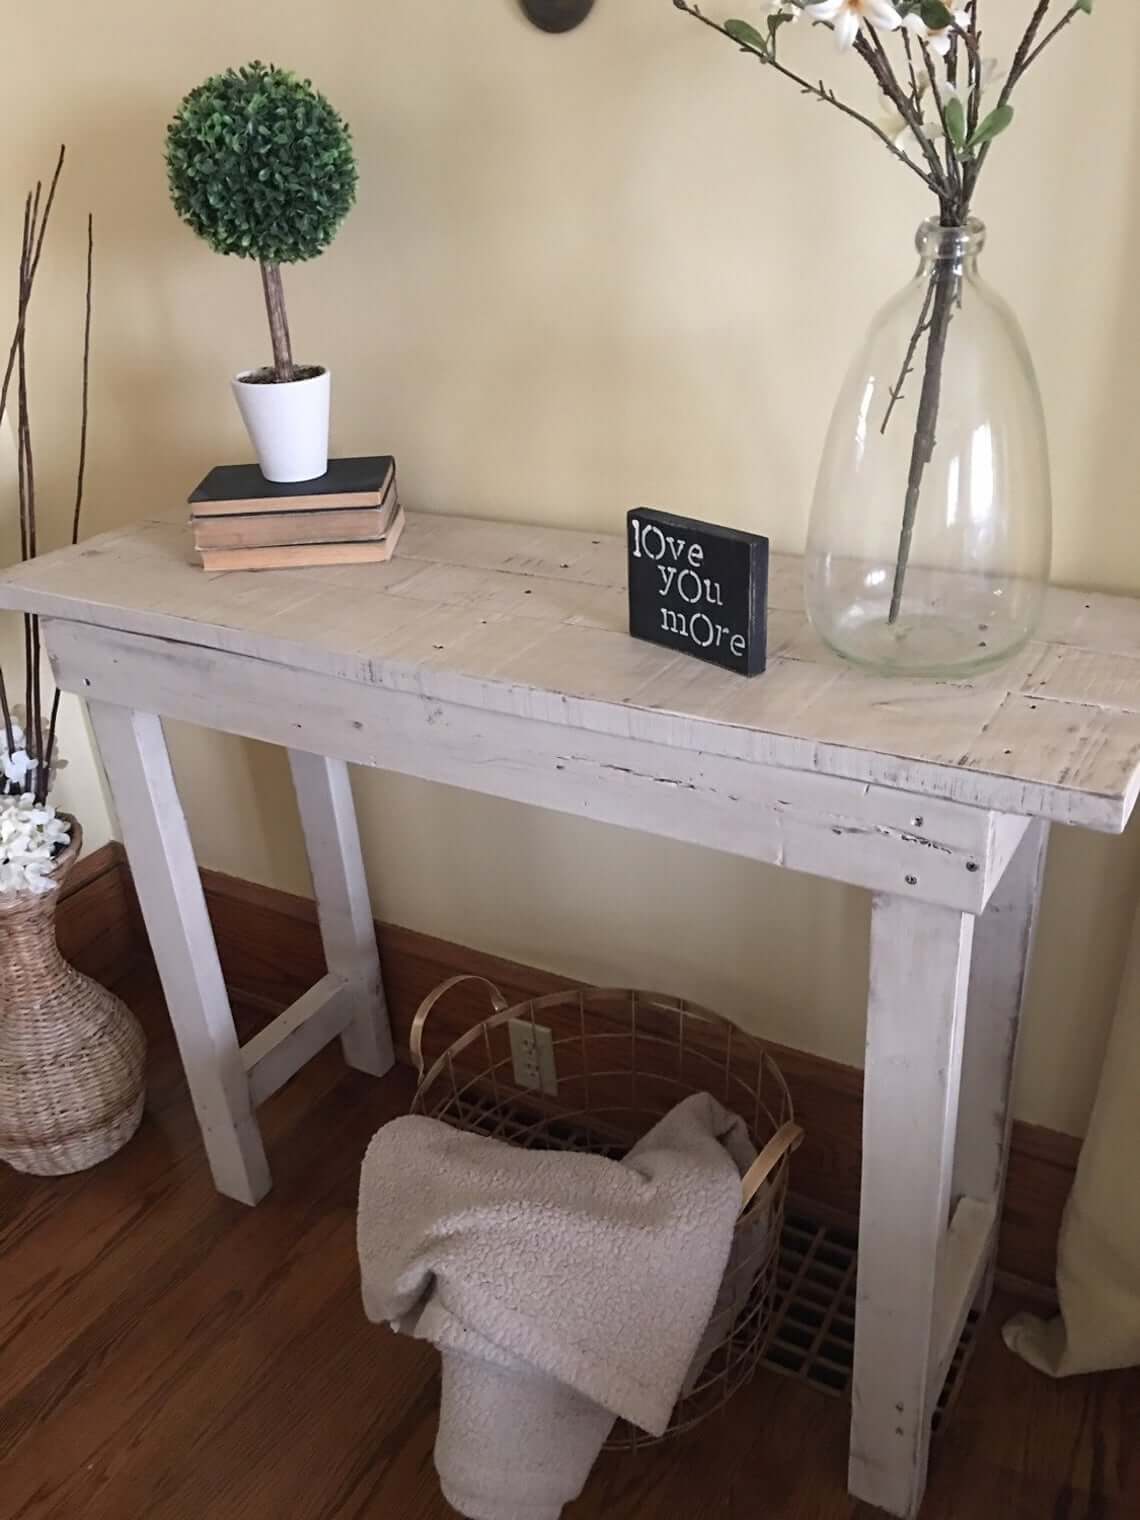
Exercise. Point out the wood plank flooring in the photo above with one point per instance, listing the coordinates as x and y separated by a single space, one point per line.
168 1354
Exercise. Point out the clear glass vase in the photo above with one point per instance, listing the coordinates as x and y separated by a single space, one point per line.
931 527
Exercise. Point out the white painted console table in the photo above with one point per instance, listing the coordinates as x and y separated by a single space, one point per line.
495 657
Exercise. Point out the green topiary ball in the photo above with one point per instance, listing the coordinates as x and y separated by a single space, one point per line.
261 165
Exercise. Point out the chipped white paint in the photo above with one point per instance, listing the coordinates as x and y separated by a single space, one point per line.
999 970
496 658
531 622
964 1256
866 835
344 909
920 961
278 1051
174 908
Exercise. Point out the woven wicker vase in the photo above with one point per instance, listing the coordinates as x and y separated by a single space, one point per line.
72 1056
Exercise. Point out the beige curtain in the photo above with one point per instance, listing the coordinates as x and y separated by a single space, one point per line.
1098 1258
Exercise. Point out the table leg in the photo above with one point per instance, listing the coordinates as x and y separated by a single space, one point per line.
170 894
920 963
1003 944
328 818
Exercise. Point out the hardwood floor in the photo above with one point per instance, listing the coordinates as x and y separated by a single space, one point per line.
168 1354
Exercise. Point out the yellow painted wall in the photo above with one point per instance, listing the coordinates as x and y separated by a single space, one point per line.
616 267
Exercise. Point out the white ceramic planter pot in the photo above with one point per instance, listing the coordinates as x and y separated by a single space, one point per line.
288 423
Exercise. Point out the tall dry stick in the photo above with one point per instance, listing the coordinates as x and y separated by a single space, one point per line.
23 455
34 738
44 777
34 231
13 352
22 310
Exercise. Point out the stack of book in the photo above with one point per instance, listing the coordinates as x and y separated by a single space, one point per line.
351 515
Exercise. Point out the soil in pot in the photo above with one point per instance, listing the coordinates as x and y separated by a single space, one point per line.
267 375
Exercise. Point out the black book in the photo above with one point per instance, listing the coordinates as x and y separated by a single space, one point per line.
359 482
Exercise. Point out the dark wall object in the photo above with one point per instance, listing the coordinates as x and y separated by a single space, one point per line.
557 15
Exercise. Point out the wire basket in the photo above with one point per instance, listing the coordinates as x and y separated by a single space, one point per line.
622 1060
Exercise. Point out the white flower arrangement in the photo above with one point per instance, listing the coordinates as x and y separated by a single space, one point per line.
31 836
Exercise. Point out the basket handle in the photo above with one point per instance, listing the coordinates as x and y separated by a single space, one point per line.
416 1039
787 1138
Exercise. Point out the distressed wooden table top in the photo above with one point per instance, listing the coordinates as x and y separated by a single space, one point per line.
532 621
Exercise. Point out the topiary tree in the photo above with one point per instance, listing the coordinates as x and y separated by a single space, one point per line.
261 166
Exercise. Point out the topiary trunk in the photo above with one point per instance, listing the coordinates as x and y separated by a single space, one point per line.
278 321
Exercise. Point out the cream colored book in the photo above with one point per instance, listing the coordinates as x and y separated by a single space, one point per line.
296 556
272 530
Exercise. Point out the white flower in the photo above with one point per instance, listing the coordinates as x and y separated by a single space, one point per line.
789 8
17 732
30 836
899 132
846 16
991 72
940 39
16 766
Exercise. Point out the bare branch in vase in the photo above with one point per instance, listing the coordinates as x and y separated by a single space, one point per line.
6 714
1070 15
37 215
953 167
922 326
875 55
954 151
21 315
818 91
43 780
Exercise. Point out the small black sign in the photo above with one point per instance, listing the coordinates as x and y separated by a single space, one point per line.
699 588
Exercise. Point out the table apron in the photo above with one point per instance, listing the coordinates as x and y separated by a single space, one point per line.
846 830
